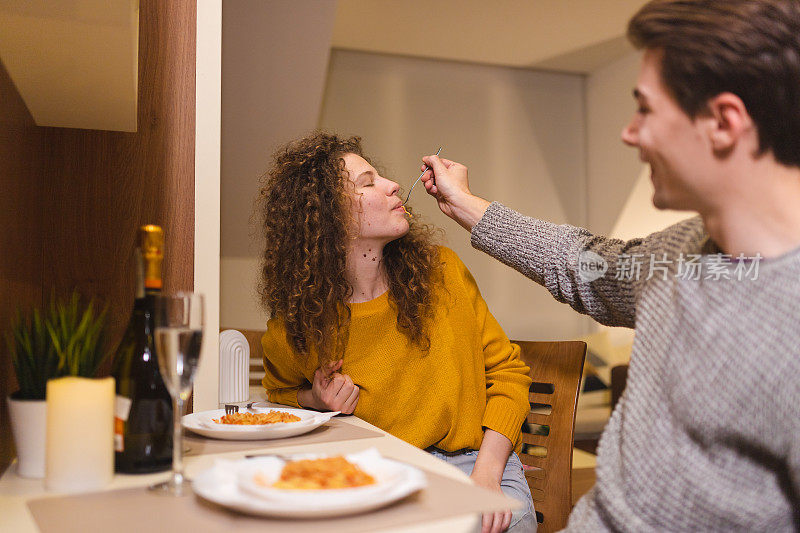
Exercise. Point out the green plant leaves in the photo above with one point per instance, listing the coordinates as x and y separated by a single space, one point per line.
68 341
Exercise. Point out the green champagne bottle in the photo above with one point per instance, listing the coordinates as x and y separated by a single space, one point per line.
143 408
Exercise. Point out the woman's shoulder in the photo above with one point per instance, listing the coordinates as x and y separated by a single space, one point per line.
456 277
279 350
276 332
450 260
446 254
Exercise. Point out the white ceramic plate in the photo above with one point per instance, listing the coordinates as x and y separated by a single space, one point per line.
203 424
229 483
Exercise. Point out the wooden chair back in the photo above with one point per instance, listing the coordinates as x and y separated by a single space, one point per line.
547 436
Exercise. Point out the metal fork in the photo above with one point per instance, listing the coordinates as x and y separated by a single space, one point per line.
230 409
420 177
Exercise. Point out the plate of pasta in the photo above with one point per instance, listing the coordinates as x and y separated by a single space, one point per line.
309 485
256 423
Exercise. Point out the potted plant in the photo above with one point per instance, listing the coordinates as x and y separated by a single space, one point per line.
66 340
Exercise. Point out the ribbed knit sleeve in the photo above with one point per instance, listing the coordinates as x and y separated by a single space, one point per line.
282 377
507 379
549 255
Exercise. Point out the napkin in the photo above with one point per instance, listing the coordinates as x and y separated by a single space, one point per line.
234 367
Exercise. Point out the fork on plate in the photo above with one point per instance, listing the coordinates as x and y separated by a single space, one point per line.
230 409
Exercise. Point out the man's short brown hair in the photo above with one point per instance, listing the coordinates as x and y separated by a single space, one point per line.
750 48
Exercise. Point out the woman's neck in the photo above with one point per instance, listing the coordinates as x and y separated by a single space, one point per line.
365 271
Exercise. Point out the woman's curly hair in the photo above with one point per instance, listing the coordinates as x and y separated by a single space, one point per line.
305 212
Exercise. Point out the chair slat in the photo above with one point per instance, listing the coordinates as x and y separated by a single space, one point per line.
538 495
532 460
531 472
539 397
536 482
536 440
536 418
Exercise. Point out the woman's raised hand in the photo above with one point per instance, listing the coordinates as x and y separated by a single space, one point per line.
332 391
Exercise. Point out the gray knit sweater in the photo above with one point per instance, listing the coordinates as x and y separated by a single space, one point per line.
707 434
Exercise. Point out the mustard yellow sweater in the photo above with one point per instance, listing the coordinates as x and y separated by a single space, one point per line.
471 378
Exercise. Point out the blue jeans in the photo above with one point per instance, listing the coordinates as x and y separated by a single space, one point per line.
513 484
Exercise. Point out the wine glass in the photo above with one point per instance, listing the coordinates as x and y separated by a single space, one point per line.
178 335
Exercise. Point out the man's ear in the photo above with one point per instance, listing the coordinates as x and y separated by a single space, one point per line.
730 121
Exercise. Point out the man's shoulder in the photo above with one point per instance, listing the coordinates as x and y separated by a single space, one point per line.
687 236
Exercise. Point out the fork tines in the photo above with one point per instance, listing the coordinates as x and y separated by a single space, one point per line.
230 409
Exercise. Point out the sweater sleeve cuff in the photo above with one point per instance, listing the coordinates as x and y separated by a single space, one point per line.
284 396
481 235
503 416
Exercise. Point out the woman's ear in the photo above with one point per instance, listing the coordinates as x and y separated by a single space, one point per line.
730 124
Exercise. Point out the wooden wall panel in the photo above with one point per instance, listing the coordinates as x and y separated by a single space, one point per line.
101 186
97 187
20 231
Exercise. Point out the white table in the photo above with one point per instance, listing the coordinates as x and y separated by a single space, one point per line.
15 491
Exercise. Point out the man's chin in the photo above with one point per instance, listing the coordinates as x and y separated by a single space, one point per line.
662 202
659 202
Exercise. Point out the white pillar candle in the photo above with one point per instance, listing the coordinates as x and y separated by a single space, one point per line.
79 451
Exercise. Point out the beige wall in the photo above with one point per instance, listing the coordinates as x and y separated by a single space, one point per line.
612 167
521 133
543 143
619 188
274 59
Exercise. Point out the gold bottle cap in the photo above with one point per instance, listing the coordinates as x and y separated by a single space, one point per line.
151 242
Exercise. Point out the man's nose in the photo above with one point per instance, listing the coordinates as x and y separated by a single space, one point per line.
630 135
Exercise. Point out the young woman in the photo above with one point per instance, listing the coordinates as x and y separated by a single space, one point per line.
370 317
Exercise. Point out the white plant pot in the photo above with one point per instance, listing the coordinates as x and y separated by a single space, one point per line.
28 424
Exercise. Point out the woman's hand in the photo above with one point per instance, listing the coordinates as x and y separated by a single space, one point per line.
492 522
330 391
447 181
488 472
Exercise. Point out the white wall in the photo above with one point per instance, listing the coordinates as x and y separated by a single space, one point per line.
206 196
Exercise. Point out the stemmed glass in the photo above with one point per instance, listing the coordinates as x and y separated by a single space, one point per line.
178 334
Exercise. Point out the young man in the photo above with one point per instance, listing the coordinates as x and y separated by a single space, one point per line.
707 434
